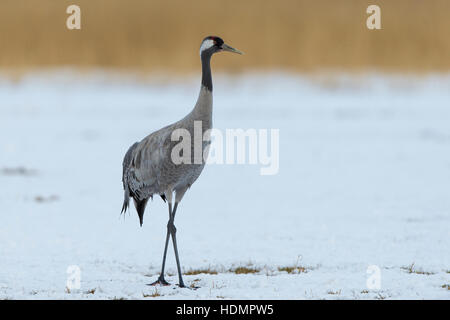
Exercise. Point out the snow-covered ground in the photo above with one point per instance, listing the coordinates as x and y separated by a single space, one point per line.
364 181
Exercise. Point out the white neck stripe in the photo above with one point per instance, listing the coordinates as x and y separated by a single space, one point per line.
206 45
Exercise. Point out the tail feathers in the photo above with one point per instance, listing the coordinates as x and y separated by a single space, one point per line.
140 208
126 201
139 204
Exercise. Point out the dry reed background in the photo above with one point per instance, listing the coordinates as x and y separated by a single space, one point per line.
152 35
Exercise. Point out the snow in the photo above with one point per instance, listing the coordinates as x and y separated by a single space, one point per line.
363 181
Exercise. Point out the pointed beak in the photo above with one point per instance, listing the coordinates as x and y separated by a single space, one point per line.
226 47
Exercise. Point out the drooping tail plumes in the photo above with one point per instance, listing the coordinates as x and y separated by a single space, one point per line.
126 165
126 200
140 208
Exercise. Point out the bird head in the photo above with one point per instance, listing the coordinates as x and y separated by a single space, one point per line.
213 44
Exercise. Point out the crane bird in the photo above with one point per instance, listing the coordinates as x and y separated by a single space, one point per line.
148 167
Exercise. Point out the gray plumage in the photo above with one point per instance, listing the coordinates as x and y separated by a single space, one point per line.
148 167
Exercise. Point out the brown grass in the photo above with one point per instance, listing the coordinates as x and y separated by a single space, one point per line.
152 295
293 269
42 199
245 270
379 296
338 292
299 35
412 269
18 171
193 272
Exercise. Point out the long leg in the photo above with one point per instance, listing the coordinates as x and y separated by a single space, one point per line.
161 279
173 232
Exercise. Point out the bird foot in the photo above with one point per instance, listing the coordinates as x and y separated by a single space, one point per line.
160 281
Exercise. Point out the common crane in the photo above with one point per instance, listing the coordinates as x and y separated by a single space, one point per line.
148 167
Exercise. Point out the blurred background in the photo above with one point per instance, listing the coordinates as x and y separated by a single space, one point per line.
297 35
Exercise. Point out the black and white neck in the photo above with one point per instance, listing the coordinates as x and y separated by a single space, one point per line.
206 70
210 45
206 52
